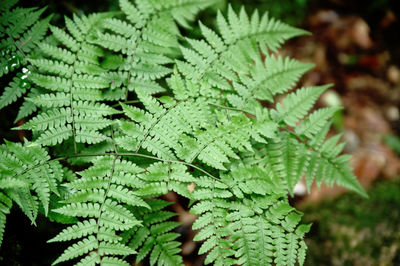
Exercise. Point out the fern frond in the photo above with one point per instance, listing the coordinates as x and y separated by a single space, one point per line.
98 197
74 83
147 38
218 60
15 89
315 122
191 120
57 53
154 237
267 79
216 145
160 129
296 105
212 210
28 177
21 31
238 224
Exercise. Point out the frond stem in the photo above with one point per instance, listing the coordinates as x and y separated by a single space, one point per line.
231 108
123 154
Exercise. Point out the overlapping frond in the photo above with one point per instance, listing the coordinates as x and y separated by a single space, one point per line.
289 157
71 80
143 42
28 177
101 196
223 61
155 237
21 30
186 130
244 213
195 126
159 130
109 196
26 169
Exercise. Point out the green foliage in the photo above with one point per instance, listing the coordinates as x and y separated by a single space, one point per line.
134 110
28 178
21 31
393 142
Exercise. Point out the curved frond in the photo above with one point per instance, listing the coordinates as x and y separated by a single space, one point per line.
21 30
98 197
28 177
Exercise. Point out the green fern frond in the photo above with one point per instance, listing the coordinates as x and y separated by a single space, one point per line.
28 177
98 197
296 105
217 60
160 129
74 83
15 89
21 30
267 79
147 37
154 238
315 122
238 224
191 121
5 206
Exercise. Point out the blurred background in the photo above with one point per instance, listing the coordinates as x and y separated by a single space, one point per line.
354 45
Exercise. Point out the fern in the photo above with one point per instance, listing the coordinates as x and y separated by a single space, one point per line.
154 237
226 61
143 42
190 119
21 30
72 83
28 177
99 197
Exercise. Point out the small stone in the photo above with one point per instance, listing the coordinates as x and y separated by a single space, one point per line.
352 141
392 113
300 189
393 74
331 98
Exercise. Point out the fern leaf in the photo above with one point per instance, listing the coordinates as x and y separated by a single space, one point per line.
314 122
92 259
29 18
60 99
228 56
155 236
75 231
54 136
57 53
50 119
15 89
296 105
112 261
27 106
51 83
78 249
101 199
53 67
114 249
291 156
34 35
28 176
65 38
